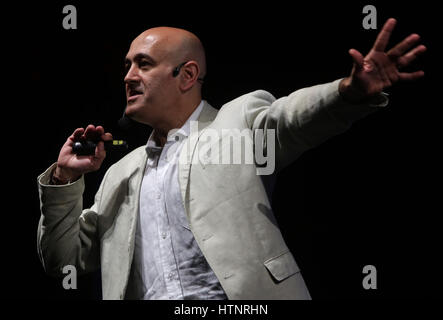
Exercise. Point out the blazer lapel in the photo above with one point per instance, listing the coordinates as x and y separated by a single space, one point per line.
205 118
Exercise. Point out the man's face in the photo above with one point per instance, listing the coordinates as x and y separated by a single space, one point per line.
150 87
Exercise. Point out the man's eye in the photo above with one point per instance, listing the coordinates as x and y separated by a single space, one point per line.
143 64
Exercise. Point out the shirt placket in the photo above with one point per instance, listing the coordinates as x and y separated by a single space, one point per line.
170 272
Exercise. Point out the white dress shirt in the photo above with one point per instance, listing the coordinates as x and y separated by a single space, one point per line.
168 263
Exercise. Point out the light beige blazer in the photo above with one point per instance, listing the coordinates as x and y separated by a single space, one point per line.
226 204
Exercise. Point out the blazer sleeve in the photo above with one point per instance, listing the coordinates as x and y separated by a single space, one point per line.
67 235
303 119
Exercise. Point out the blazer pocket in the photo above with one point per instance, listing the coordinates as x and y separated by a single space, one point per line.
283 266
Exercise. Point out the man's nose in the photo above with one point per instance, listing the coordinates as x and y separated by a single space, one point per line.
131 75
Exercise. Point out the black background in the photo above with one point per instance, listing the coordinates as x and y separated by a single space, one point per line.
369 196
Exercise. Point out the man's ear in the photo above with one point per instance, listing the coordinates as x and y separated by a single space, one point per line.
189 75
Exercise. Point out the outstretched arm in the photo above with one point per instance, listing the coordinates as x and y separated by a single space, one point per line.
379 70
309 116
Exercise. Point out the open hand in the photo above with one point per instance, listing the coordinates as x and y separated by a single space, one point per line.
379 70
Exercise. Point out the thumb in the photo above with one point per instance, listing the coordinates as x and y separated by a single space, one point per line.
106 136
357 57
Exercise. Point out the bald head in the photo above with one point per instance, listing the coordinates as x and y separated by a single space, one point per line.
174 45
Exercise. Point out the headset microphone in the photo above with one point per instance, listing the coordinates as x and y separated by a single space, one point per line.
125 122
176 71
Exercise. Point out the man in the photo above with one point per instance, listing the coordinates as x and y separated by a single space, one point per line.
167 223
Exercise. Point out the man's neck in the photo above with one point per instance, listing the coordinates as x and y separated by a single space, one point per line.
160 133
159 138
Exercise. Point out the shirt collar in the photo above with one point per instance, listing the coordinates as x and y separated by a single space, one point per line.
174 135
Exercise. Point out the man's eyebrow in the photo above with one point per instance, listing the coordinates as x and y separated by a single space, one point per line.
140 56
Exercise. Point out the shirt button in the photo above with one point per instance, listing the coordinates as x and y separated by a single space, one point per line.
164 235
158 195
170 275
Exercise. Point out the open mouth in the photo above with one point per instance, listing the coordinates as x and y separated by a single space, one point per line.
133 94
